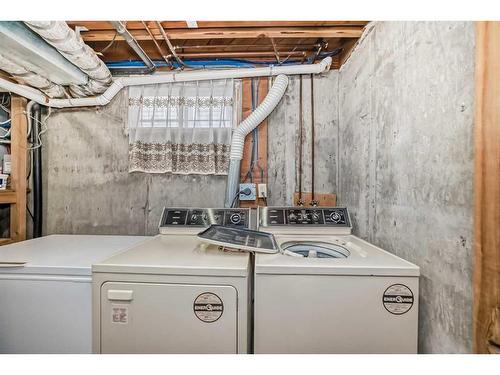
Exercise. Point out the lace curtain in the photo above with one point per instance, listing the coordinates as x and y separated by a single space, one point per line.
181 128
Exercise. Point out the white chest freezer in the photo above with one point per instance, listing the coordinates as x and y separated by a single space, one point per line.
45 291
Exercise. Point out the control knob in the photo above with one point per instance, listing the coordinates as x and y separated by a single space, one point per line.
235 218
335 217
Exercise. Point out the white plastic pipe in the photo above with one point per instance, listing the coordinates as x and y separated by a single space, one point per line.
177 76
260 113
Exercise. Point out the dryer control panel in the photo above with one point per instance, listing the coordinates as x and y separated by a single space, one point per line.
198 218
304 216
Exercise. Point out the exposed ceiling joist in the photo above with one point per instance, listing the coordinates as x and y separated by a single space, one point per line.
230 33
131 25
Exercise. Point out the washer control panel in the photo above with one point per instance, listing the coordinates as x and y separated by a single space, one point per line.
308 216
204 217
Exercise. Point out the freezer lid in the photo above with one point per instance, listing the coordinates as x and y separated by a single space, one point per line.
240 239
62 254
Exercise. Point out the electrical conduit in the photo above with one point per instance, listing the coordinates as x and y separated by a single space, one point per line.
251 122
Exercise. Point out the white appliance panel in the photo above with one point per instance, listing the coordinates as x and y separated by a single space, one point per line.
45 315
331 314
161 318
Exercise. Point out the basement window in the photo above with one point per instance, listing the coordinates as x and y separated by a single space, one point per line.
182 128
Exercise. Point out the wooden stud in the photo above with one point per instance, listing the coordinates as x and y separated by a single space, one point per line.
347 49
19 147
487 190
199 55
247 148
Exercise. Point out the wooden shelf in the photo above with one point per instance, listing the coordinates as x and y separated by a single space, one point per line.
8 196
6 241
16 194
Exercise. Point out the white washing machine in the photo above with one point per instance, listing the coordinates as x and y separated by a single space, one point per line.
174 294
328 291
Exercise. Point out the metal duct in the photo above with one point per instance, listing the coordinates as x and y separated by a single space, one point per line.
23 75
132 42
70 45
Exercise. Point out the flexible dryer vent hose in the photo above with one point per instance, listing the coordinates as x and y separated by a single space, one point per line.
251 122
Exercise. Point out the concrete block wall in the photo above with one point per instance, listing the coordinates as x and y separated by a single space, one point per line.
406 162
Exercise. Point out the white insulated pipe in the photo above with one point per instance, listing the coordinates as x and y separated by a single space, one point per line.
23 75
176 76
70 45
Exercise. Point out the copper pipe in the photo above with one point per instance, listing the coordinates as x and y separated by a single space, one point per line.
313 200
156 44
275 51
172 49
301 124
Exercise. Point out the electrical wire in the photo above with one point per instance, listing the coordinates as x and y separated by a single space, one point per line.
43 129
29 212
101 52
5 104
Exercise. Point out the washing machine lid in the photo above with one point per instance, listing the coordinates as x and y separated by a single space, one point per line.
239 239
354 257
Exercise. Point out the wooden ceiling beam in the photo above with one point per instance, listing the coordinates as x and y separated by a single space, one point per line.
137 25
230 33
287 46
246 54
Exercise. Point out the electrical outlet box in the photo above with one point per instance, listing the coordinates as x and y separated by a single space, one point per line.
248 197
262 190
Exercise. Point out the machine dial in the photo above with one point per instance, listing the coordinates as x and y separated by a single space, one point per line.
235 218
335 217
